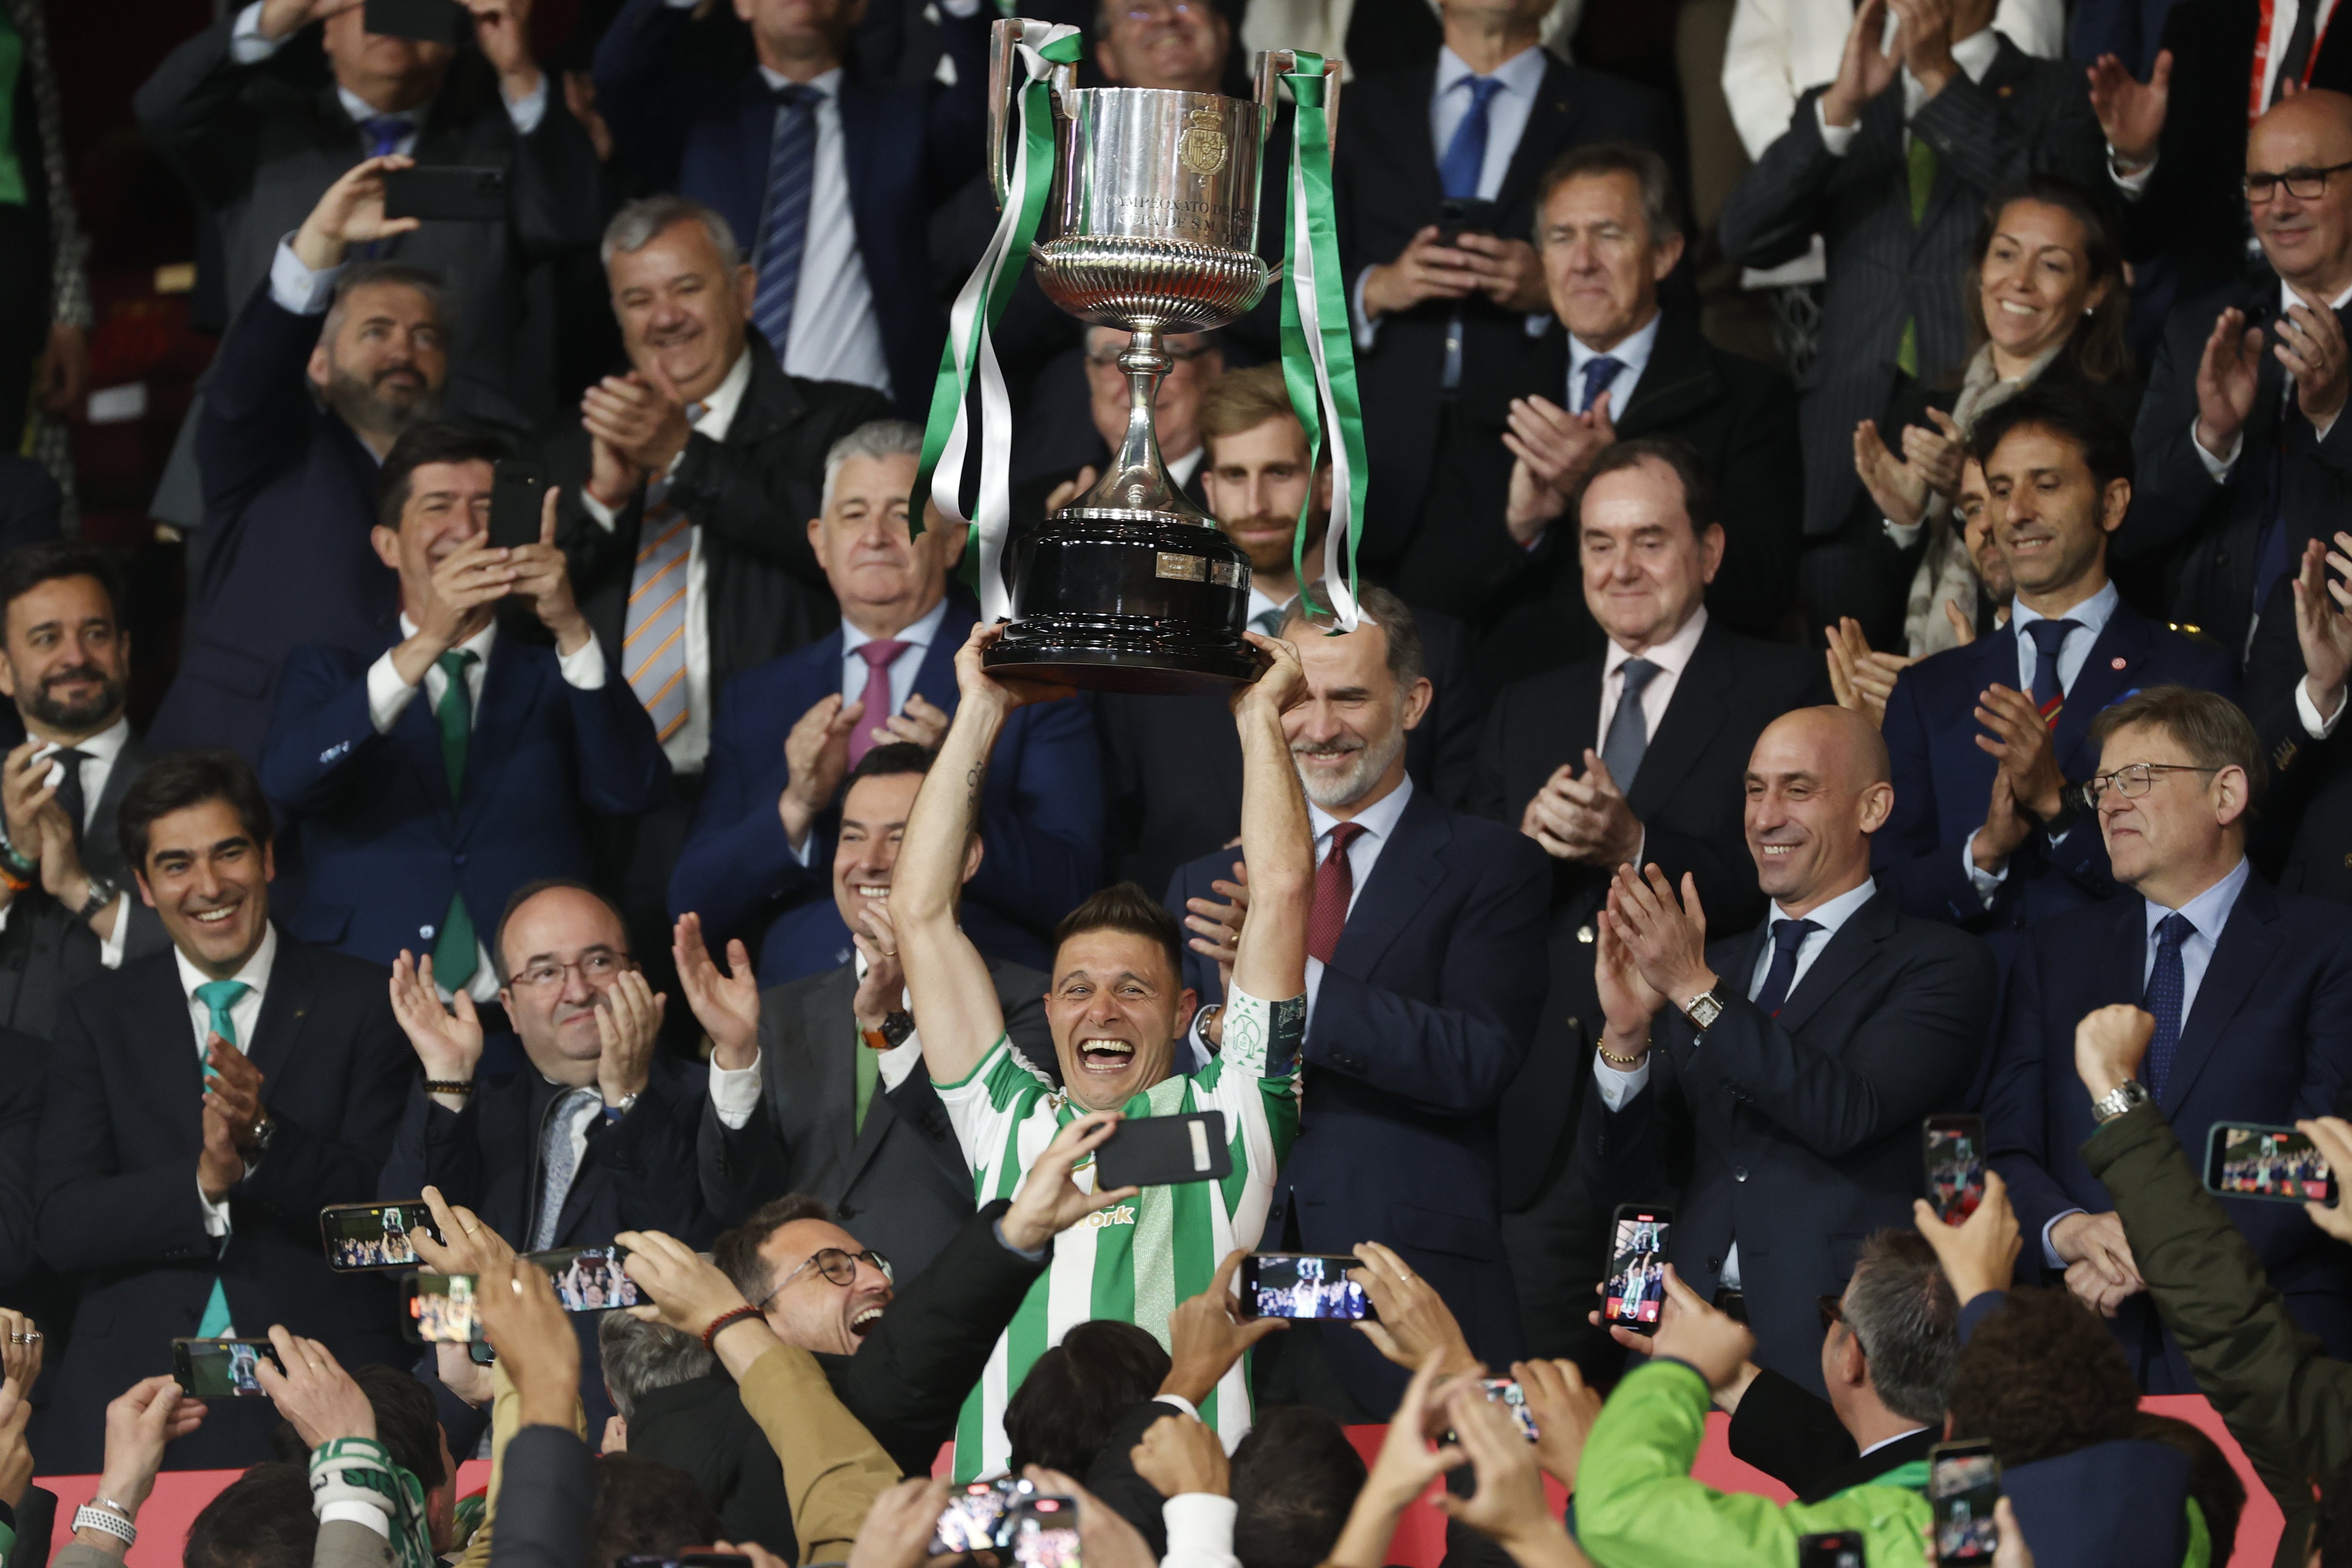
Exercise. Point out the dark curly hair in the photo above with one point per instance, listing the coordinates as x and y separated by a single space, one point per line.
2043 1377
1061 1414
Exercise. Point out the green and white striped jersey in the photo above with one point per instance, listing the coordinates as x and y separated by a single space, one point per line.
1134 1261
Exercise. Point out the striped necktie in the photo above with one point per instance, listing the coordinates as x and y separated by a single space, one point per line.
559 1164
784 229
219 997
653 638
2048 691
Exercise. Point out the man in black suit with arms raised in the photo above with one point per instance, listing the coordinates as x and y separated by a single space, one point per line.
272 1068
1633 755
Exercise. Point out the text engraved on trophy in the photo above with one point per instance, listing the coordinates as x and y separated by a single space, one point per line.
1203 146
1181 568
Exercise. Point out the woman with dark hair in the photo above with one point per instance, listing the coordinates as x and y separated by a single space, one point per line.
2047 297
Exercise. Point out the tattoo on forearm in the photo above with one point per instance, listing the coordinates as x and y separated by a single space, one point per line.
973 781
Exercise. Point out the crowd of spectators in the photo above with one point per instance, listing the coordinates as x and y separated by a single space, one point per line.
1736 766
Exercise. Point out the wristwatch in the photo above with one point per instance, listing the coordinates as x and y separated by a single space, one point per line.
896 1028
101 894
1702 1009
2073 802
2118 1101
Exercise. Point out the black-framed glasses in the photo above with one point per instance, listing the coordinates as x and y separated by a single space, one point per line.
599 968
839 1267
2303 184
2138 778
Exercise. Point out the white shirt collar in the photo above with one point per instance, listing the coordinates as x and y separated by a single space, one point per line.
919 633
104 746
1378 819
362 110
829 83
1837 911
478 645
1633 353
1522 74
1884 1442
2092 614
2209 910
2289 298
256 973
1976 53
1671 656
718 409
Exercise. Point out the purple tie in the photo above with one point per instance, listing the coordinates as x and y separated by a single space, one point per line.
878 655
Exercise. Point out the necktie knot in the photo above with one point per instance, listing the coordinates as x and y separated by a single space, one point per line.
1639 674
2049 636
1788 935
2174 929
456 662
1599 373
794 95
1482 91
384 132
881 652
218 997
1343 834
1267 622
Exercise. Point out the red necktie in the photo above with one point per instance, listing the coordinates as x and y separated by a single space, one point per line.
1334 886
878 655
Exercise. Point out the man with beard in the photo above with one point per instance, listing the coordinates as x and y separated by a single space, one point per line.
1425 975
297 413
65 660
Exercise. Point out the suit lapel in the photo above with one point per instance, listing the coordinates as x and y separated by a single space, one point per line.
1411 867
2110 672
498 722
2248 937
1678 379
284 1006
829 1033
163 1001
1416 163
935 677
1846 953
755 124
100 850
1551 124
1693 714
2003 77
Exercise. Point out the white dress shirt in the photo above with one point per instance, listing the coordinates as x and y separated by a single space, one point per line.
2092 614
99 754
2284 16
1671 656
2208 912
834 335
1182 469
1633 353
1619 1085
735 1092
245 1013
690 747
1974 55
247 47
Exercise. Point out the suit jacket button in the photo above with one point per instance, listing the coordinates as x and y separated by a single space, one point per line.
1740 1173
425 932
1584 935
459 858
1713 1264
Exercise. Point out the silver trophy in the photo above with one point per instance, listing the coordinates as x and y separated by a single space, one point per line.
1151 228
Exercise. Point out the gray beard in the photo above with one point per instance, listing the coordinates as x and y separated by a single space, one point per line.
1336 793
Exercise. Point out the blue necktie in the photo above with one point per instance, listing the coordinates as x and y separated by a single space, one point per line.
783 230
1465 155
1628 739
1599 373
384 132
2049 637
1788 935
2167 993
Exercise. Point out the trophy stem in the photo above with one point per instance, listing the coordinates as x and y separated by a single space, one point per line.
1137 480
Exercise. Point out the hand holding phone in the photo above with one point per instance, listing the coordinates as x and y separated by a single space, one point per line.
1302 1285
2281 1164
1963 1485
1954 1148
221 1368
1634 1295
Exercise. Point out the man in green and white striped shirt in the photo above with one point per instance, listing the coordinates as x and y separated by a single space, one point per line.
1119 1013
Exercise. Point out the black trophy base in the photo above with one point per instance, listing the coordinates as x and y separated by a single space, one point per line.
1128 601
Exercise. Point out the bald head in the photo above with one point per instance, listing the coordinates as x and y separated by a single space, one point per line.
2308 238
1818 787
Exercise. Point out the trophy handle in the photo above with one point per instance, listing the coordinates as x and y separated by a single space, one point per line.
1005 80
1273 64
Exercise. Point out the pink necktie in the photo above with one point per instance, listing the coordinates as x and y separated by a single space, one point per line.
878 655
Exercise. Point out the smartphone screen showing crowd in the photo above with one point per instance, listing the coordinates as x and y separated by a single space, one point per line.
974 1517
589 1279
364 1236
1955 1149
1043 1532
440 1309
1506 1392
2247 1160
221 1368
1963 1484
1302 1285
1636 1292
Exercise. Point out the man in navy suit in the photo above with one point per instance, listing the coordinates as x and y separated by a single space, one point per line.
2250 990
184 1201
830 178
1992 740
788 732
1425 974
1789 1065
416 819
297 413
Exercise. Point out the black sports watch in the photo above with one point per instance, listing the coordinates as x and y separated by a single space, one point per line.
101 894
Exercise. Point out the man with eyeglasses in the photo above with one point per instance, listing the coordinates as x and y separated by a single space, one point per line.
2242 449
2252 993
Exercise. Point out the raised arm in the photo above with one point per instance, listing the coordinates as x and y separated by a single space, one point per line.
1278 844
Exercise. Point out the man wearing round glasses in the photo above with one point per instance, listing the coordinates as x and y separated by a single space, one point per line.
2248 990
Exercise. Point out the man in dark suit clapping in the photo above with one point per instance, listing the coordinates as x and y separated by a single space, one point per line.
1793 1060
184 1199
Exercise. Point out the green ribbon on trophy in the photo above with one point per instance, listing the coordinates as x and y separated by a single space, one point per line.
1318 354
970 350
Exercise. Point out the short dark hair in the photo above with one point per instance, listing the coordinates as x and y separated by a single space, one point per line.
889 761
646 1508
2098 432
435 441
1124 907
28 567
1903 1313
1384 609
179 780
407 1423
1649 171
2209 727
2214 1485
1061 1414
1680 457
2097 347
737 1251
261 1520
532 890
2041 1377
1294 1477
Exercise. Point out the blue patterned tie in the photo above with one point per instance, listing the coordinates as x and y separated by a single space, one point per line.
558 1167
2049 636
218 997
1628 739
1465 156
1598 373
1788 935
783 230
2167 991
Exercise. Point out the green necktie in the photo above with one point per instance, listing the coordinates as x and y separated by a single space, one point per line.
1922 162
218 997
869 1073
457 955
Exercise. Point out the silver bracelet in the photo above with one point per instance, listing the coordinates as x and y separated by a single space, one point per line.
118 1525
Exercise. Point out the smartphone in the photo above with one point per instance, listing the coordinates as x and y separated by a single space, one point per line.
1506 1392
1833 1548
973 1520
439 1308
1162 1151
428 21
222 1368
516 488
1302 1285
2248 1160
1043 1531
454 192
1636 1292
1955 1150
1963 1483
1459 215
589 1279
364 1236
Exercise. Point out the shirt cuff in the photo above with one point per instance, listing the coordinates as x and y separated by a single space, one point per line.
2049 1251
389 695
295 288
2133 183
1026 1254
605 517
1618 1084
735 1092
1367 331
527 111
899 1062
584 670
2314 726
109 949
247 47
1200 1531
2219 467
356 1511
216 1214
1986 883
1904 534
1835 139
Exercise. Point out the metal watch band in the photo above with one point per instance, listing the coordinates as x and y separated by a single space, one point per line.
2119 1101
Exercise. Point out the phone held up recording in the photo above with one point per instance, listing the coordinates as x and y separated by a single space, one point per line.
1954 1149
2249 1160
1636 1292
1302 1285
1963 1484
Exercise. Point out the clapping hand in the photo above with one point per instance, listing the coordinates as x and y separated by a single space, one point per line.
1862 678
1550 449
1867 67
726 1006
2131 112
2322 622
1665 937
2228 373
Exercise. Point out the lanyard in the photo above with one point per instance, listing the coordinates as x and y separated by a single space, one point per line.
2254 105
